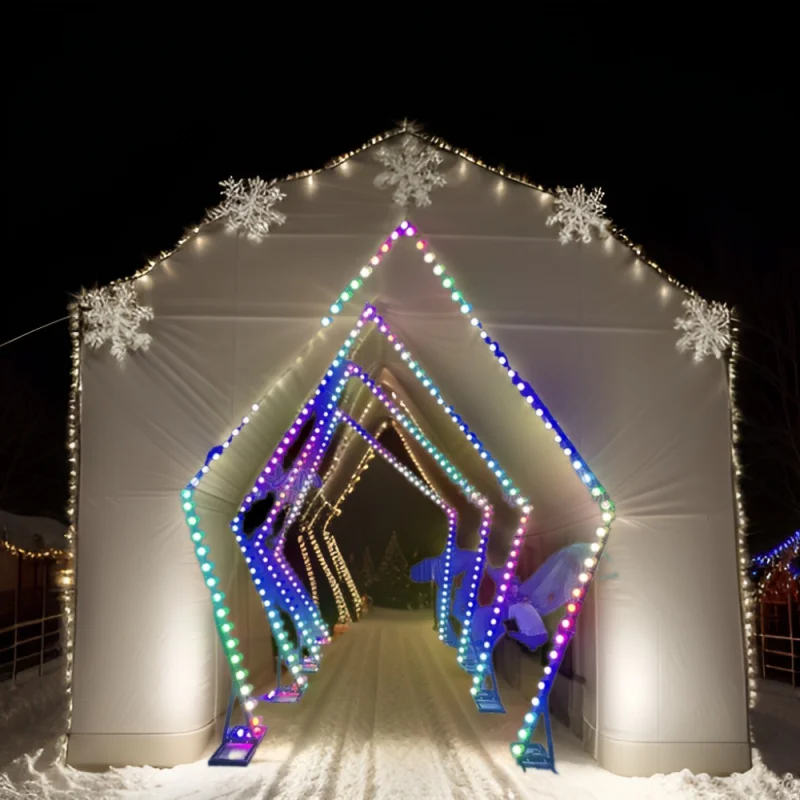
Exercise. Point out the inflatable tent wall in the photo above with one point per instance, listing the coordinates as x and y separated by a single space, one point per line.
236 322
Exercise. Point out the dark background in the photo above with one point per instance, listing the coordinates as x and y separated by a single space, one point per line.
120 124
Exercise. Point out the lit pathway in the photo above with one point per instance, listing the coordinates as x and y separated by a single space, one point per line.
390 715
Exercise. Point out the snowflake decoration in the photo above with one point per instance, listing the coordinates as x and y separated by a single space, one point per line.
112 314
577 213
412 169
248 206
706 328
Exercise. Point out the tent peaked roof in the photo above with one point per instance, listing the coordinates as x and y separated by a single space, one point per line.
412 129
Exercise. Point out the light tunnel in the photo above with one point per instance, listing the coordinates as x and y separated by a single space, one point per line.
483 303
268 566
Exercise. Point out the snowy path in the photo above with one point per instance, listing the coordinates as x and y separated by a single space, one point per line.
392 718
388 716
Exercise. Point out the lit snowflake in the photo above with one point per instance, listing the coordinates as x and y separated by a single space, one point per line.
248 206
412 169
577 213
706 328
112 314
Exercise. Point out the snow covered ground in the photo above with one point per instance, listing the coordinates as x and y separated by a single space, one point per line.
388 716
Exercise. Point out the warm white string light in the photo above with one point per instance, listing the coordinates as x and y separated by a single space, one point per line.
312 581
329 539
341 606
743 555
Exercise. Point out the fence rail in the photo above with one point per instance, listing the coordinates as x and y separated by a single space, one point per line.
24 653
780 647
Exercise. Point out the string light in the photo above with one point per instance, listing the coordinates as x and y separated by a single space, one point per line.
408 449
289 437
512 493
329 539
335 510
776 576
51 554
342 569
67 596
746 597
312 581
363 465
530 397
268 569
428 491
596 491
341 606
785 551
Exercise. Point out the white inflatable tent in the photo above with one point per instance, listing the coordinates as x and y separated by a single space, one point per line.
591 325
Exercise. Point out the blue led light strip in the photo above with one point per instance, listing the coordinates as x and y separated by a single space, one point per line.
766 559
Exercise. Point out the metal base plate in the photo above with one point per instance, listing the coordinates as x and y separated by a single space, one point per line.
536 757
236 753
284 694
488 702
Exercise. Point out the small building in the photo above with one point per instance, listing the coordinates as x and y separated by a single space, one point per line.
32 568
776 575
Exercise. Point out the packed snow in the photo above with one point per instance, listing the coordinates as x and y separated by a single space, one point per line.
388 716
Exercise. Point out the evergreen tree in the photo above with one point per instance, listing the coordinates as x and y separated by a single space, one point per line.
393 585
368 574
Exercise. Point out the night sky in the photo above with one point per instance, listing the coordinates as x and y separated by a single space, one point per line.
119 129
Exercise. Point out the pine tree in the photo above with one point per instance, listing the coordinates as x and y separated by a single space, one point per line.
393 579
368 575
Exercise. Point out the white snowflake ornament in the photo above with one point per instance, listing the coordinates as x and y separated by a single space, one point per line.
706 328
113 314
411 168
248 206
578 212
